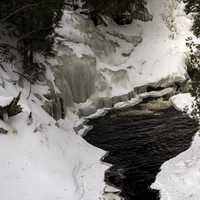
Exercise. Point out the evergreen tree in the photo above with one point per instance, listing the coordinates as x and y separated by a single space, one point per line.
193 7
35 22
193 58
117 9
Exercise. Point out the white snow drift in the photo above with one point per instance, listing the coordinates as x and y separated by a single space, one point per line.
179 178
45 159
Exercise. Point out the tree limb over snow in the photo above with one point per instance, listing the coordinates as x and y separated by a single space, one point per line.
9 107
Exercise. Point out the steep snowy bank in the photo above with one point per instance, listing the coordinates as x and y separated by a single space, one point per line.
121 57
44 159
180 177
97 67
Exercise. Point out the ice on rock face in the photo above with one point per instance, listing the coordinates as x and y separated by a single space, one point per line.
102 47
104 64
86 55
107 45
81 30
75 78
119 77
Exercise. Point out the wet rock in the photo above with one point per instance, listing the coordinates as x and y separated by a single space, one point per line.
131 94
127 54
54 105
78 127
123 19
156 105
124 97
120 98
168 92
178 83
128 104
107 102
140 89
170 81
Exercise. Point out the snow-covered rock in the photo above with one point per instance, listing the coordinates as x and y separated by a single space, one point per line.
115 59
180 177
44 159
183 102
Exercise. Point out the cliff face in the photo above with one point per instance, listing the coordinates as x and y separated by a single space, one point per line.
95 67
105 62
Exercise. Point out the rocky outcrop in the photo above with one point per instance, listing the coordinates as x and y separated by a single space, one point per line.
164 88
128 98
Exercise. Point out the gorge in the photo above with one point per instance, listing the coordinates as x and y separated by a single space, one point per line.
109 115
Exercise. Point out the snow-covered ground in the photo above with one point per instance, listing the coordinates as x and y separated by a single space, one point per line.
45 159
162 50
125 56
41 158
179 178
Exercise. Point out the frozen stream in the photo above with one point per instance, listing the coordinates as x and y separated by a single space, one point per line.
139 140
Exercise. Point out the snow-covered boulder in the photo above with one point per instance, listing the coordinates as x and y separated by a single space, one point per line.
5 101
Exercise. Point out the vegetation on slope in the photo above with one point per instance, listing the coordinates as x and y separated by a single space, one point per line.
193 59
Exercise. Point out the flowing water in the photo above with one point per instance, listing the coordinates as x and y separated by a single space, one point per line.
139 141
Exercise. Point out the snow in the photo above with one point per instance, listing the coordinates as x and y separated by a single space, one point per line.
159 56
47 159
179 178
183 102
44 159
4 101
126 56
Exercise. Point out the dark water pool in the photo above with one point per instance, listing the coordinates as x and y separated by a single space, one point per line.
138 144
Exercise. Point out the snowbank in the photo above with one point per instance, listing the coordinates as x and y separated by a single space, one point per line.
180 177
44 159
47 160
126 56
183 102
5 101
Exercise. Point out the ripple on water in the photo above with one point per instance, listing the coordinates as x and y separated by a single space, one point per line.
138 145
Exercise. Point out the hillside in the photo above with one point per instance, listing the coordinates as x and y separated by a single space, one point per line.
94 68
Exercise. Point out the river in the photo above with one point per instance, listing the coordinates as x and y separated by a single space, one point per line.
139 140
